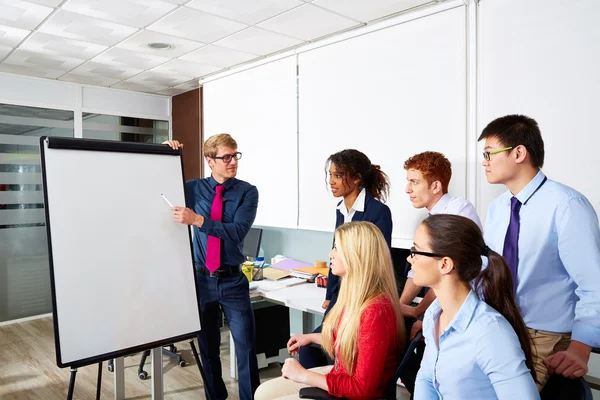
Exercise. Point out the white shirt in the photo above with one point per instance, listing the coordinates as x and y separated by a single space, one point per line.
359 205
456 206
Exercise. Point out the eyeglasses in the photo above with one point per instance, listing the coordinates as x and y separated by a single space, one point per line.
414 252
228 157
487 154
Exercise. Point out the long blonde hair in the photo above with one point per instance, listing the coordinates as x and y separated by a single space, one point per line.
369 275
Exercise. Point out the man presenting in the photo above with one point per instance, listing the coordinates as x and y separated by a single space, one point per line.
221 210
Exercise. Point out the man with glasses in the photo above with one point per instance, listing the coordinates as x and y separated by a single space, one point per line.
548 233
221 210
428 176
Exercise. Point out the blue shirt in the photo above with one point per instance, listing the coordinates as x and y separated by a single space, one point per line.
240 201
558 288
479 357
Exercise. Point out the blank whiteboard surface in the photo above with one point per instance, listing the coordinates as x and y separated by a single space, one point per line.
258 108
390 94
540 58
123 270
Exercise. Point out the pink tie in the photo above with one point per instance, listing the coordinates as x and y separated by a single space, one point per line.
213 250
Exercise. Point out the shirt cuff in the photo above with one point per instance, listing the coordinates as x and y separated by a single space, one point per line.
207 225
586 334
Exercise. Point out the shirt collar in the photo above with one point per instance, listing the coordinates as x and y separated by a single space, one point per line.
464 316
531 187
359 204
227 184
440 206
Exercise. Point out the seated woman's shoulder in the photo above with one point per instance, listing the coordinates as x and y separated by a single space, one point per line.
488 319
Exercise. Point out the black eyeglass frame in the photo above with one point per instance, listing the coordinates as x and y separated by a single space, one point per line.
228 157
414 252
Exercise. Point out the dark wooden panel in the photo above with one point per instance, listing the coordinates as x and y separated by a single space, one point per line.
187 128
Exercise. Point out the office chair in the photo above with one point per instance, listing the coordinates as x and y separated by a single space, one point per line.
390 389
170 352
560 388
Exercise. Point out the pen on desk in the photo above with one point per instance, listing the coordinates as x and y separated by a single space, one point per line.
168 202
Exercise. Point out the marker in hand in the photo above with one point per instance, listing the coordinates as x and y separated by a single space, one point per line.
165 199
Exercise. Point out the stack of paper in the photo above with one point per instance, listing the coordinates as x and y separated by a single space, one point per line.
310 271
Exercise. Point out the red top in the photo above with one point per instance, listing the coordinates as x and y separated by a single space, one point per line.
377 358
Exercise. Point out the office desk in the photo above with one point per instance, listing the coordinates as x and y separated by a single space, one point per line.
306 297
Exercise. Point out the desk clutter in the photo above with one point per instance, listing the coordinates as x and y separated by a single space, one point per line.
284 272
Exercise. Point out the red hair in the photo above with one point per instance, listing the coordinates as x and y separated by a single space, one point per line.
433 165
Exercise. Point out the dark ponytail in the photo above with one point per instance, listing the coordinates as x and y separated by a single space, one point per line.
354 164
460 239
495 284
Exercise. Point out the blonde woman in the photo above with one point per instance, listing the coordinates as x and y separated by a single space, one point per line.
363 331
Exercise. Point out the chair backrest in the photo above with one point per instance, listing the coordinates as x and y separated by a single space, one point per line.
560 388
406 358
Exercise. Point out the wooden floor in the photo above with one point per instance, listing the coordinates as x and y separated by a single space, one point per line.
28 369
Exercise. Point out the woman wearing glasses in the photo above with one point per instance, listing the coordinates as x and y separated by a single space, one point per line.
364 330
363 187
475 349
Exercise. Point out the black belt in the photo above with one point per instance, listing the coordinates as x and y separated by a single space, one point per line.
222 272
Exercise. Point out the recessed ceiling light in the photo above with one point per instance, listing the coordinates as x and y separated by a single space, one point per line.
159 46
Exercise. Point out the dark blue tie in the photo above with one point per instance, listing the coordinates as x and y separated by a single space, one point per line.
511 241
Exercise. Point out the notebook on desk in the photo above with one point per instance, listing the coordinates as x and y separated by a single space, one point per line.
275 274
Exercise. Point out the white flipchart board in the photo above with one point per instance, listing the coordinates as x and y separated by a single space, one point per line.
121 269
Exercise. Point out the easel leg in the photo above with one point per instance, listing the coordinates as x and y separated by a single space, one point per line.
99 382
157 374
193 346
72 384
119 378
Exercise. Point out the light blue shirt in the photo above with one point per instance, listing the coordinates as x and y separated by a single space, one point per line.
558 288
479 357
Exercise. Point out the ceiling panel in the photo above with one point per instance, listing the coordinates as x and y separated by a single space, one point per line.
99 70
80 27
137 13
150 78
42 72
365 11
39 60
137 87
124 58
218 56
88 80
184 87
249 12
308 22
58 46
258 41
48 3
20 14
179 46
196 25
4 50
10 36
185 68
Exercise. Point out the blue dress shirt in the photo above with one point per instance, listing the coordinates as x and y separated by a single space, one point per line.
558 287
240 202
479 357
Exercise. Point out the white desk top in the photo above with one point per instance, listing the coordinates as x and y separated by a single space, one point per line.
304 297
